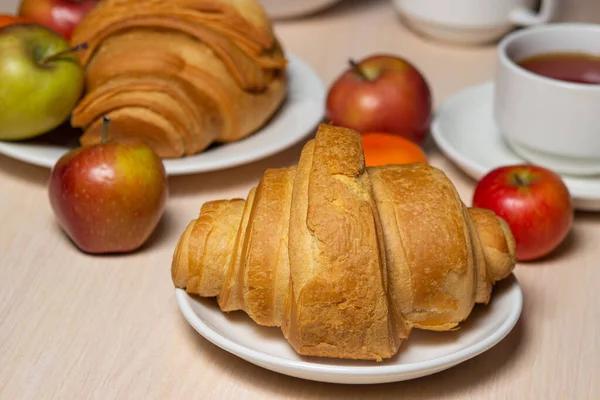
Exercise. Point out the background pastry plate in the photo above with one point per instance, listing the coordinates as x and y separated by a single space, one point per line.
296 119
424 353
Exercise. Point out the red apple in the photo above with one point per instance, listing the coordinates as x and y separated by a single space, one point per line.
109 197
535 203
63 16
382 93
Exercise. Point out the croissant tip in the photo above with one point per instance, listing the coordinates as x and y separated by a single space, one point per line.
510 239
179 264
511 245
176 276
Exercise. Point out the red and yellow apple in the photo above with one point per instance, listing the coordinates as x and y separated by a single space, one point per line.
534 201
382 93
63 16
109 197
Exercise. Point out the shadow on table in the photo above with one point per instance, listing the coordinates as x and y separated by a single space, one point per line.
166 230
573 243
64 135
23 171
459 379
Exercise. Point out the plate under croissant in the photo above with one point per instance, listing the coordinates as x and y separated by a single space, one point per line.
424 353
296 119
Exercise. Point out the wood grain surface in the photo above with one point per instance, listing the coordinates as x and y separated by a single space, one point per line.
74 326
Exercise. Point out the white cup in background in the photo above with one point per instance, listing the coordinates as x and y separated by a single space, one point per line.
549 122
472 21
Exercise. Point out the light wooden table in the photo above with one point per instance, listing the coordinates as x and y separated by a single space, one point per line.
76 327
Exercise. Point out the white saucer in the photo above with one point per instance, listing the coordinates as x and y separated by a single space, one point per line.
465 132
424 353
295 120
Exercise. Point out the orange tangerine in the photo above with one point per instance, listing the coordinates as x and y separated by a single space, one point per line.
388 148
6 19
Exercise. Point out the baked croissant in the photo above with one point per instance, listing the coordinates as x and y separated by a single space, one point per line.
345 259
179 74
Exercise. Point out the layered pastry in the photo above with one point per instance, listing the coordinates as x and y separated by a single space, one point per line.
179 75
347 260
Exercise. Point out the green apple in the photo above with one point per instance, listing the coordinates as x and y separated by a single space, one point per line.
41 81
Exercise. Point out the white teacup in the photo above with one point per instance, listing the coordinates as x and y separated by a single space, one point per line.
549 122
472 21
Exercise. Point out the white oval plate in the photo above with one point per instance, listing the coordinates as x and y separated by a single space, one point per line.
302 110
465 131
424 353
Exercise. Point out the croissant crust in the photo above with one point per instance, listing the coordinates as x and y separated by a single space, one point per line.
347 260
180 74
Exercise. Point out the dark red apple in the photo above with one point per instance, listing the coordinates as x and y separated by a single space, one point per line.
534 201
109 197
382 93
63 16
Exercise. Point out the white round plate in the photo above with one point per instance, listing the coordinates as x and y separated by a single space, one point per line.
423 353
287 9
465 131
302 110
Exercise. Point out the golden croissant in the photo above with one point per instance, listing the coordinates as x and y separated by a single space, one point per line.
346 259
179 75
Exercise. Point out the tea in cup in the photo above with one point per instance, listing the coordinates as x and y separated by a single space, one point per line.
547 96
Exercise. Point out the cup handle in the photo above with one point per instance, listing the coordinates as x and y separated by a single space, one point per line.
524 17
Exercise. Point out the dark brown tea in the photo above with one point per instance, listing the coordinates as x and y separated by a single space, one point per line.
570 67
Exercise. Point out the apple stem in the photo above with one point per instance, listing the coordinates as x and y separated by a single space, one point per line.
357 70
105 125
79 47
520 181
